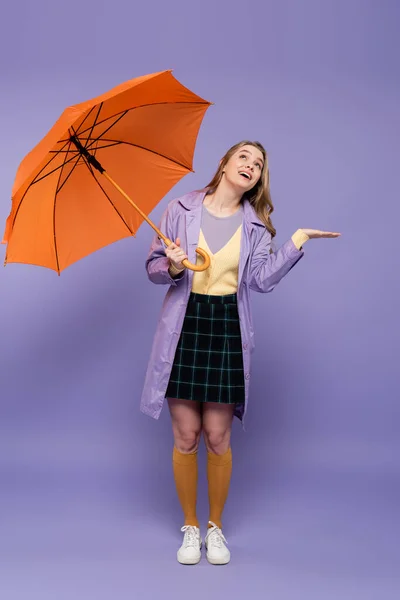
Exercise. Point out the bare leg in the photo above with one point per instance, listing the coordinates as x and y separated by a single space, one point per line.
217 426
186 424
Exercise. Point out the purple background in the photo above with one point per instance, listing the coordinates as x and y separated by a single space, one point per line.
88 506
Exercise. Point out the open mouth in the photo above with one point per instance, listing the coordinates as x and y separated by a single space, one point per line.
245 175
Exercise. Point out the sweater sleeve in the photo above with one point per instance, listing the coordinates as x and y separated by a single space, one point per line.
174 271
299 238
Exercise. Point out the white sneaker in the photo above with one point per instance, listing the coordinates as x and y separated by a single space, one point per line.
217 552
190 551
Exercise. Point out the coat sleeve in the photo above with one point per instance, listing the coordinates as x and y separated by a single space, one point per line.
267 269
157 263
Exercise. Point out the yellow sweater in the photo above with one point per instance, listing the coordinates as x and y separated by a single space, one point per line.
221 277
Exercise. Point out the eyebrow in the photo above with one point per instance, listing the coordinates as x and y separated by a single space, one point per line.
248 152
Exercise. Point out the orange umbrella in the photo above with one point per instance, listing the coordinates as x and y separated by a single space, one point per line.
64 204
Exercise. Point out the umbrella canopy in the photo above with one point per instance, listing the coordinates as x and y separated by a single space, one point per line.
141 134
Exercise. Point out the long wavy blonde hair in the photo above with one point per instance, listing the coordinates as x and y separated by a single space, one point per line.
259 196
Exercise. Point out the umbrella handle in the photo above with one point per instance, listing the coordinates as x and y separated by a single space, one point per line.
186 263
203 267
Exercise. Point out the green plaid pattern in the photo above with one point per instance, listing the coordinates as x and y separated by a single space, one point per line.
208 363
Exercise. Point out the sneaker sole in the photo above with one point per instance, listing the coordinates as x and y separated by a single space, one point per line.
193 561
216 561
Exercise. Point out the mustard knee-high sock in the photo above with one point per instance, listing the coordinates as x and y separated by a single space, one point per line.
219 469
185 474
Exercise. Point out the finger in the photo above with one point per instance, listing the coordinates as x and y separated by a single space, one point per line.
327 234
178 259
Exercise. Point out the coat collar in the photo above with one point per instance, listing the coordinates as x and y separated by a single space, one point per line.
194 200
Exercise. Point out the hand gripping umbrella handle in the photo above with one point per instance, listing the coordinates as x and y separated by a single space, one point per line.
186 263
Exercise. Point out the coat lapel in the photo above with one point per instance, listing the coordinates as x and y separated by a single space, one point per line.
250 221
193 203
244 250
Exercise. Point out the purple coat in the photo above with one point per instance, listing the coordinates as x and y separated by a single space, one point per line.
258 270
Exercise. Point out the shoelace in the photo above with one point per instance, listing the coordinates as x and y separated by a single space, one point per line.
215 535
191 538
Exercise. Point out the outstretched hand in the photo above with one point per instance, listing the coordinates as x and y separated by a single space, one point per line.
316 233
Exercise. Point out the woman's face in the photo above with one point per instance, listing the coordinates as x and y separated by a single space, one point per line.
243 170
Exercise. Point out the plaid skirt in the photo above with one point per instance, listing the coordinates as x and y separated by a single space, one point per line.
208 363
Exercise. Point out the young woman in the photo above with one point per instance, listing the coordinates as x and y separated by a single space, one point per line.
200 359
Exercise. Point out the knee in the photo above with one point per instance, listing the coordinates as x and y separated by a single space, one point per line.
217 441
187 440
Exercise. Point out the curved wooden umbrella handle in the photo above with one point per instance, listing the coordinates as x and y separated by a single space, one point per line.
202 267
186 263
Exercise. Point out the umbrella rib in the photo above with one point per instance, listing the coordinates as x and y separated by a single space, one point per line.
118 142
48 162
54 207
37 180
113 143
88 114
54 170
107 196
79 133
95 119
120 115
68 176
55 152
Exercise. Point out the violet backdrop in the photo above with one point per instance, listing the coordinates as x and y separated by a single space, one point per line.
87 501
